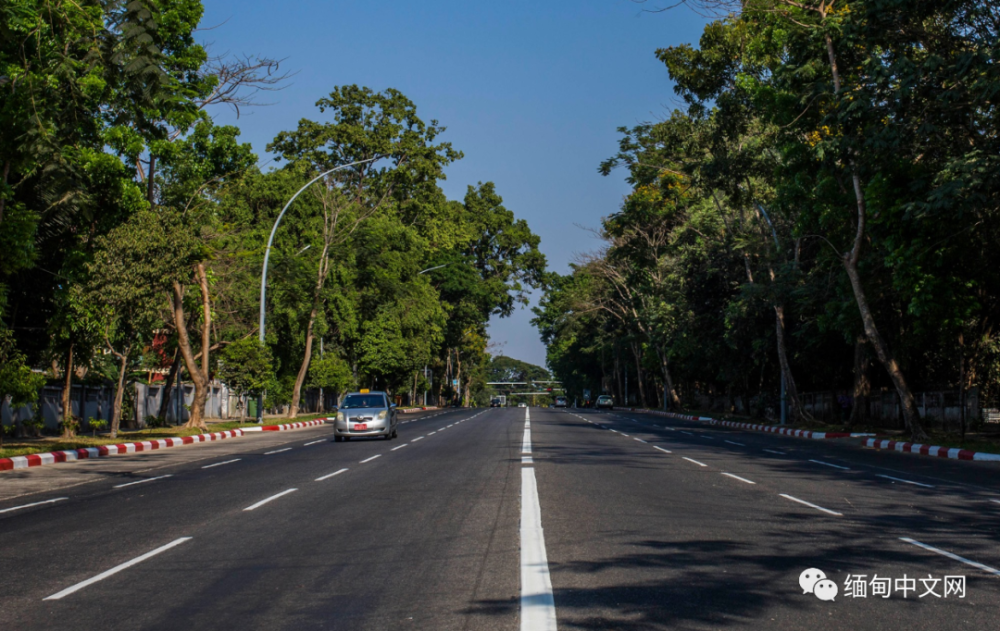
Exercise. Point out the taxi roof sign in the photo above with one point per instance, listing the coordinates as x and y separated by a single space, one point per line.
364 391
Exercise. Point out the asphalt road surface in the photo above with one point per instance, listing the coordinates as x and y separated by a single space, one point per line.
504 519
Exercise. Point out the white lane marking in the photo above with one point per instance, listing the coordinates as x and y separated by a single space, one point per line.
708 437
827 464
997 501
416 439
889 477
688 433
771 451
640 440
700 464
736 477
314 442
116 569
272 498
370 459
538 607
666 451
329 475
277 451
734 443
160 477
219 464
615 431
624 434
58 499
432 433
443 428
400 447
811 505
974 564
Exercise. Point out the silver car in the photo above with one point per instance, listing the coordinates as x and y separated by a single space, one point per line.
365 414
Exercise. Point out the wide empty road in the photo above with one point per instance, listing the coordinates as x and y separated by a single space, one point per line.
505 519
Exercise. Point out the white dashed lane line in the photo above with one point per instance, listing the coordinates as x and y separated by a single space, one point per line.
827 464
330 475
269 499
219 464
950 555
370 459
416 439
315 442
811 505
277 451
14 508
771 451
666 451
116 569
400 447
688 433
736 477
700 464
734 443
160 477
889 477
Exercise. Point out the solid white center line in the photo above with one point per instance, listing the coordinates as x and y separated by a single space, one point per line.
811 505
538 607
116 569
734 443
370 459
400 447
666 451
771 451
265 501
700 464
160 477
58 499
277 451
330 475
889 477
314 442
736 477
219 464
827 464
416 439
985 568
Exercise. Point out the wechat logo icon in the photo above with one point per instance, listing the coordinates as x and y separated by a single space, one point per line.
813 581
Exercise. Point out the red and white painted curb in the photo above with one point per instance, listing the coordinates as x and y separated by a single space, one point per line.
771 429
53 457
928 450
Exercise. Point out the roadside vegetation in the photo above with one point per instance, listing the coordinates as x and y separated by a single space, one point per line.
133 228
823 211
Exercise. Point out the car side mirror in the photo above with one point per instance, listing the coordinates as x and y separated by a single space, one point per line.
392 405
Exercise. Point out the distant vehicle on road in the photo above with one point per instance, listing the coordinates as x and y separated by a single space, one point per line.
496 403
604 402
522 405
365 413
560 402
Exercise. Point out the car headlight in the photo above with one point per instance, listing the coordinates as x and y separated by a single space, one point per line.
340 417
383 414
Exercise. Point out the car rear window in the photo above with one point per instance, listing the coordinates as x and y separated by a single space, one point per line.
363 401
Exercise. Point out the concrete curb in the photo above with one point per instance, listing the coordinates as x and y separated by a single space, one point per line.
928 450
85 453
771 429
412 410
910 448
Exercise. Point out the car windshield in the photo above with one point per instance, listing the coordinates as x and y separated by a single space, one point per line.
603 398
363 401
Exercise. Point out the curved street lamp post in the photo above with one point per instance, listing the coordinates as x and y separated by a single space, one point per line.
267 256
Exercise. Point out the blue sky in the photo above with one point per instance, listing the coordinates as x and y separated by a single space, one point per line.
531 92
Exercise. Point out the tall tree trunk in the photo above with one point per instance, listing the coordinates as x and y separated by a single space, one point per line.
6 174
67 400
850 260
458 377
791 390
670 398
862 385
116 409
300 378
637 352
168 385
198 378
